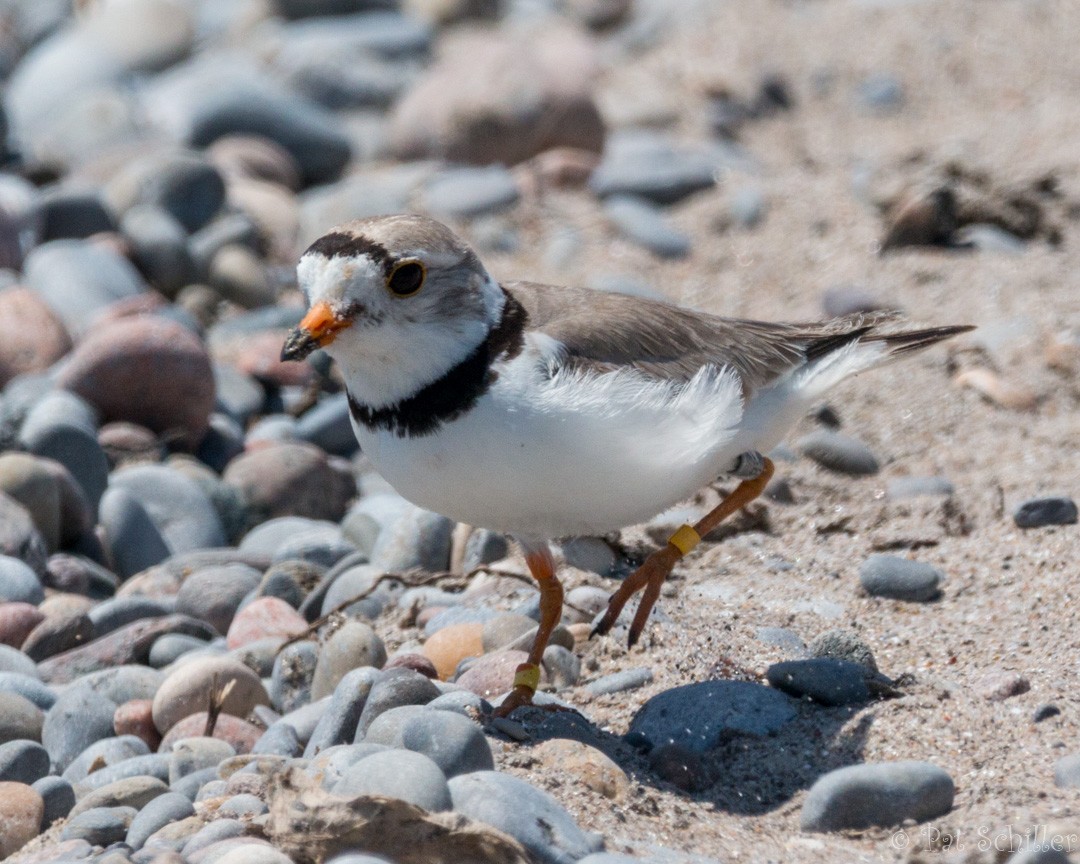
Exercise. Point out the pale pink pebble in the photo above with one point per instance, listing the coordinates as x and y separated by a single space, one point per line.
262 619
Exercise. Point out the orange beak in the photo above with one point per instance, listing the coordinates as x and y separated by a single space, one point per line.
317 329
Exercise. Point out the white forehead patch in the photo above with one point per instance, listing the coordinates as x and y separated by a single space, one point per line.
329 279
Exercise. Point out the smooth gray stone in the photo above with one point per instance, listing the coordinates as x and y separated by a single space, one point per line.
109 751
328 426
649 166
1039 512
394 688
325 548
120 683
267 537
19 536
185 185
882 794
62 426
214 594
747 206
484 547
134 540
290 681
914 487
150 765
453 742
647 226
23 761
219 829
781 637
194 754
59 798
461 702
701 716
176 504
354 645
170 807
532 817
190 784
619 682
356 581
242 807
77 720
900 578
332 764
1067 772
418 540
159 247
562 666
13 661
824 680
401 774
881 93
238 394
306 718
116 612
66 212
19 583
78 280
355 27
839 452
338 724
281 582
279 739
100 826
465 193
169 648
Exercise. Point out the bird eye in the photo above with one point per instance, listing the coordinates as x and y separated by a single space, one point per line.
406 278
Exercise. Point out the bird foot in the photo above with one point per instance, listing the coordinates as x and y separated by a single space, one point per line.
650 576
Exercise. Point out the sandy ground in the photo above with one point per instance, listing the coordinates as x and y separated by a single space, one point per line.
995 86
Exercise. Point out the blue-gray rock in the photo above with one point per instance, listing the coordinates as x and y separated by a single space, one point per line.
700 716
78 719
747 206
899 578
19 536
18 582
532 817
453 742
881 93
352 646
290 680
23 761
28 686
463 702
78 280
882 794
176 504
238 394
562 667
399 774
280 581
328 426
325 547
216 831
184 184
395 687
279 739
649 166
1039 512
117 612
100 826
781 637
170 807
329 766
194 754
14 661
242 807
593 554
305 719
151 765
1067 771
839 452
77 574
58 796
913 487
646 225
168 648
359 27
267 537
418 540
338 724
214 594
356 581
190 785
134 541
451 615
618 682
62 212
484 547
824 680
159 247
464 193
108 751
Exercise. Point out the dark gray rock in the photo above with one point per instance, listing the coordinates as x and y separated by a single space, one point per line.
644 224
899 578
419 539
328 426
64 213
356 581
170 807
214 594
23 762
338 724
100 826
290 680
168 648
78 719
484 547
159 248
700 716
58 796
456 744
1039 512
883 794
120 611
619 682
649 166
399 774
395 687
134 540
279 739
822 679
839 452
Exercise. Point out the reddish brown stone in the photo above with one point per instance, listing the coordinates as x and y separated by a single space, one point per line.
32 338
239 733
264 618
16 622
493 674
136 718
416 662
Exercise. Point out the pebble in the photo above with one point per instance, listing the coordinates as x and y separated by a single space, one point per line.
28 685
900 578
191 755
19 538
881 794
843 645
133 539
77 719
118 612
1067 772
999 685
21 811
465 193
238 733
20 720
135 792
649 166
290 680
532 817
17 619
34 337
103 753
701 716
136 718
22 761
448 646
187 690
262 618
456 744
1045 712
58 633
58 797
395 687
417 540
492 674
291 479
881 93
18 582
176 503
914 487
587 765
150 765
839 452
643 223
170 807
214 594
54 430
681 767
483 547
619 682
159 248
562 667
353 646
986 237
147 370
13 660
328 426
401 774
101 826
824 680
242 807
1039 512
338 723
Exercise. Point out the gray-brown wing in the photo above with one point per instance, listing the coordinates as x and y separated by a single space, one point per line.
605 331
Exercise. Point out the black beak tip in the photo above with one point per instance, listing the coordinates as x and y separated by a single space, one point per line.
299 344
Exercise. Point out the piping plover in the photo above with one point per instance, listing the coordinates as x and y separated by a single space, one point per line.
546 411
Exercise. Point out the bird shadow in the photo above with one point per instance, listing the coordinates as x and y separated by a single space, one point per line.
743 774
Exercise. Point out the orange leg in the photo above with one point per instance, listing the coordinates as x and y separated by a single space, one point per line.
657 567
542 567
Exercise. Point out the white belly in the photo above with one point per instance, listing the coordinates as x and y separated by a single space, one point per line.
571 455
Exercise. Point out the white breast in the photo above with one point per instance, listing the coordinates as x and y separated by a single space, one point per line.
551 456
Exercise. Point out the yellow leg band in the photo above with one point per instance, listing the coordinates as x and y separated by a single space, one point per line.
528 676
685 539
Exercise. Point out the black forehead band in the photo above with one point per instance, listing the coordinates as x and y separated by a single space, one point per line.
339 244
